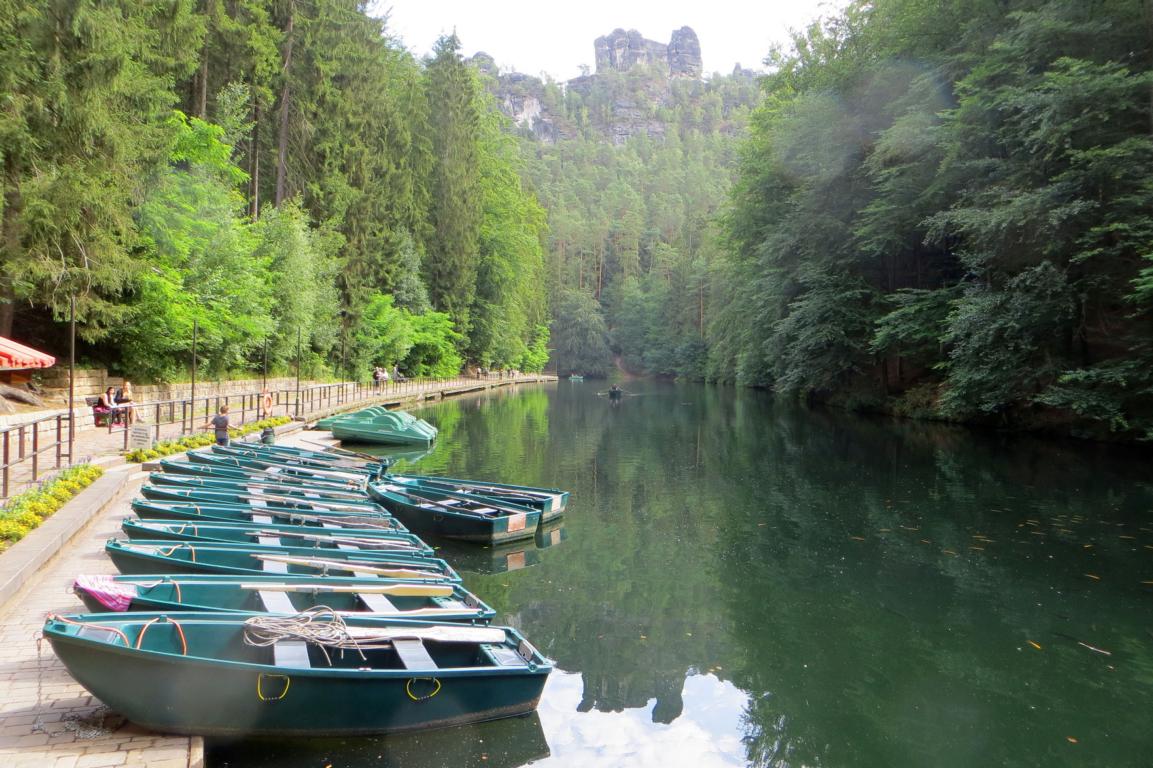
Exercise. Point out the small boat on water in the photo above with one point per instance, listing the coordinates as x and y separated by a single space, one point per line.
226 484
280 594
138 556
380 426
220 674
253 451
550 501
452 518
576 377
258 498
196 470
372 539
240 513
256 464
208 465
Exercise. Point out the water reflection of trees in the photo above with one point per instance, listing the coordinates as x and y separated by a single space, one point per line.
900 571
711 530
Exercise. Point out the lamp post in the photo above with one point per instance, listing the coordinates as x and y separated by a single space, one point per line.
298 373
192 404
71 377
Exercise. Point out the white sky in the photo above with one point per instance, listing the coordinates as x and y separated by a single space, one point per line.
536 36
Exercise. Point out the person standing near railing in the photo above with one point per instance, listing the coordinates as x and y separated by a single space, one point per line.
219 424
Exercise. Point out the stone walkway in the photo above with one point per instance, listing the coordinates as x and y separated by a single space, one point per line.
47 720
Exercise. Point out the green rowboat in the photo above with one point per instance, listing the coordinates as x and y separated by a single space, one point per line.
155 556
550 501
239 513
226 484
280 594
368 539
195 673
261 499
456 519
199 469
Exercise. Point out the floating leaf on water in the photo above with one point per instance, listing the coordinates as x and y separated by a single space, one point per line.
856 538
1093 576
1070 739
1035 645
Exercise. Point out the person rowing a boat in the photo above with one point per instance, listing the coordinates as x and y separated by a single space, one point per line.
615 392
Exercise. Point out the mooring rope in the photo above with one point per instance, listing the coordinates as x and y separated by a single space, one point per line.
319 625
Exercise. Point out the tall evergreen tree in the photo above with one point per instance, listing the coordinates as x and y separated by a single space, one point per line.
456 209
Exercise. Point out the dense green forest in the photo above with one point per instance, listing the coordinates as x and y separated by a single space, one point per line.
273 171
941 209
938 209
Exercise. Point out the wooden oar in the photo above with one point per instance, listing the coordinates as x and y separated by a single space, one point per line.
358 454
356 566
441 634
397 590
405 612
364 543
386 523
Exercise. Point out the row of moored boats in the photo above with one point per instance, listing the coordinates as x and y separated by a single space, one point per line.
276 590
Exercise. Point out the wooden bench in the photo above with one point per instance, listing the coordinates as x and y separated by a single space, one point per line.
413 655
276 602
291 653
377 603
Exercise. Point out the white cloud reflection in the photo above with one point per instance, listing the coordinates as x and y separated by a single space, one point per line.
705 735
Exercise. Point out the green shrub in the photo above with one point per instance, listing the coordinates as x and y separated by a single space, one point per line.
28 510
10 530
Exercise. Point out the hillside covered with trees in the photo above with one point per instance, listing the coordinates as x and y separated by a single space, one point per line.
269 170
940 209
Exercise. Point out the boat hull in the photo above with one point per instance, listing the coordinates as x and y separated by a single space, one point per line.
173 693
144 556
446 524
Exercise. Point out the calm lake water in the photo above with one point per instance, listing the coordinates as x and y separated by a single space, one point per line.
739 582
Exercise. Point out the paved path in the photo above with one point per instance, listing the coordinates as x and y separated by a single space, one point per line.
47 720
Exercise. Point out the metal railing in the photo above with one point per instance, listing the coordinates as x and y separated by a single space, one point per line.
21 447
193 416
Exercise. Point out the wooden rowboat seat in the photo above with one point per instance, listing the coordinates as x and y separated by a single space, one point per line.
276 602
291 653
413 654
377 603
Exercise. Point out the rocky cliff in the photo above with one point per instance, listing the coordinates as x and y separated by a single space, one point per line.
636 81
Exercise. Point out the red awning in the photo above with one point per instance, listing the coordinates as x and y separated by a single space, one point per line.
15 355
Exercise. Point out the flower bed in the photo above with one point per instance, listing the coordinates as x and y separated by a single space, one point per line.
29 509
169 447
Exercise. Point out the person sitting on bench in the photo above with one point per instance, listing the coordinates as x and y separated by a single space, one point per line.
107 408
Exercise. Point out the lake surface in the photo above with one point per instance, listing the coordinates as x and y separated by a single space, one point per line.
743 582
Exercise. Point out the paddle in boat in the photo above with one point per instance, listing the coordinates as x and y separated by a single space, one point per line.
318 673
